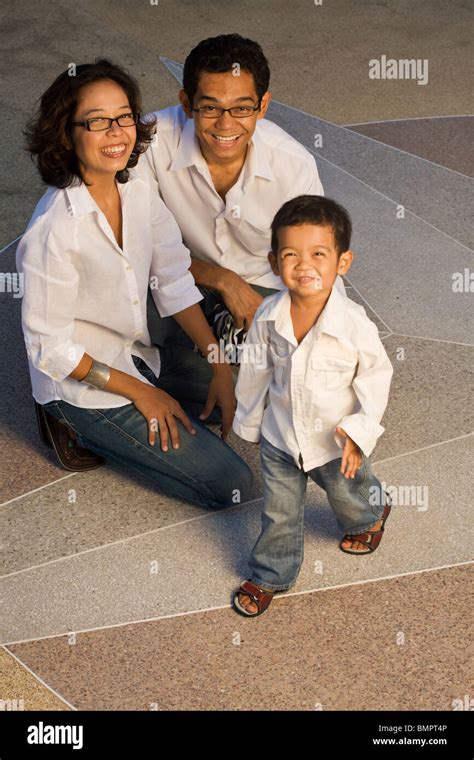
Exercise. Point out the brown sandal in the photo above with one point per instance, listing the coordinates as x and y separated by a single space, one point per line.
371 539
261 598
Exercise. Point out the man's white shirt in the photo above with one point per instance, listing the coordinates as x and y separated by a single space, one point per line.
295 395
235 233
83 293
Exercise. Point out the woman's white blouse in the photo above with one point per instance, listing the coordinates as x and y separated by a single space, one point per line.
84 294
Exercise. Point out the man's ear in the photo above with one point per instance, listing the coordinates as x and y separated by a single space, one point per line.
273 260
184 100
345 261
265 102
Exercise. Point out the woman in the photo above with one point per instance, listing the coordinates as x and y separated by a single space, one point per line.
97 239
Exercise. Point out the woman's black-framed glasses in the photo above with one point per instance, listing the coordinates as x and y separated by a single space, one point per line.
215 112
101 123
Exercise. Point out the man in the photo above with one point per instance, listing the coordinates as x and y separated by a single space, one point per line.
223 171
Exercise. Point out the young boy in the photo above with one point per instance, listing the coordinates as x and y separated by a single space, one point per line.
314 379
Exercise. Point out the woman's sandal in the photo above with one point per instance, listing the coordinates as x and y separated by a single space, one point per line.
370 539
261 598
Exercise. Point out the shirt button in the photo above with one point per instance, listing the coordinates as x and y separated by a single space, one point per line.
129 268
136 302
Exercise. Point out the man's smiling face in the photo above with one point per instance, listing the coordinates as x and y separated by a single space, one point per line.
224 139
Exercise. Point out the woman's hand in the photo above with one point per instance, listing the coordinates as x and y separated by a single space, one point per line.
160 410
221 392
351 456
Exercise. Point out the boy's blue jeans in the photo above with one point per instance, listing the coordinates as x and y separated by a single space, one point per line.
278 554
204 470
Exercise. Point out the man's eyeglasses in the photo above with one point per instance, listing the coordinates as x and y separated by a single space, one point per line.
101 123
215 112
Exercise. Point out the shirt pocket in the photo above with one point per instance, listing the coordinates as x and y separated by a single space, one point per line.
332 373
255 239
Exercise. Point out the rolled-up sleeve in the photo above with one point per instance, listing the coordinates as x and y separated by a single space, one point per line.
171 283
255 375
50 294
371 385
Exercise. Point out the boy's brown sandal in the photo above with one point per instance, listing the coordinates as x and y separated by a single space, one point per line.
58 436
371 539
261 598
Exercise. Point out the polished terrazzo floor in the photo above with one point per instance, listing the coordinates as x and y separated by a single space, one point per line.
84 623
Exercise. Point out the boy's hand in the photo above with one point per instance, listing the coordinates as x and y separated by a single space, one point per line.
351 456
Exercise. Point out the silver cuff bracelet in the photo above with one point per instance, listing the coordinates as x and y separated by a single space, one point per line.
98 375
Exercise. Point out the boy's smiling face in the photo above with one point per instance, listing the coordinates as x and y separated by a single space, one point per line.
307 260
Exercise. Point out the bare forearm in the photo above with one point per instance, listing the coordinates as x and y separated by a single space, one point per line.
194 324
119 382
210 275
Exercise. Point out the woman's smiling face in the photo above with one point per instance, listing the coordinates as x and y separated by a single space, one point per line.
108 151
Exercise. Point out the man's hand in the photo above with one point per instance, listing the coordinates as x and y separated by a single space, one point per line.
351 456
160 410
240 298
221 392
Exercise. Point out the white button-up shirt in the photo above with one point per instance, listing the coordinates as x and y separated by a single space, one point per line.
235 233
84 294
297 394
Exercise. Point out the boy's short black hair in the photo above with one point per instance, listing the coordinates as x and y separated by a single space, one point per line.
314 209
220 54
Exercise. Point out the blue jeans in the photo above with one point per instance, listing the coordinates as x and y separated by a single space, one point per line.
204 470
278 554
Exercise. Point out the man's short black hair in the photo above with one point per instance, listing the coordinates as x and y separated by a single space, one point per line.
314 209
220 54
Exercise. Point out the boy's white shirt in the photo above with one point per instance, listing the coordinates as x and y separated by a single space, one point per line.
296 395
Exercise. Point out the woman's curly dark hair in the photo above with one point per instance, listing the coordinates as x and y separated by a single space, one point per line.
48 132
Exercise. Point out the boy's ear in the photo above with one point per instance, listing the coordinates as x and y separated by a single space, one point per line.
345 261
273 262
184 100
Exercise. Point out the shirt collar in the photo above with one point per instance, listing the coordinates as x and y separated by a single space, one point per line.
257 158
330 321
79 201
189 154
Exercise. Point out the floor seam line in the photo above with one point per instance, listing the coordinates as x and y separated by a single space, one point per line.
207 515
391 200
424 448
229 606
37 677
130 538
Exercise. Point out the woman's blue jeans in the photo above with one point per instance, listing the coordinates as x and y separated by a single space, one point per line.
278 554
204 470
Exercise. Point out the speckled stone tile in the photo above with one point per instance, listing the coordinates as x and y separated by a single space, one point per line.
376 646
354 296
88 510
437 195
404 268
26 463
445 141
430 395
20 690
196 565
